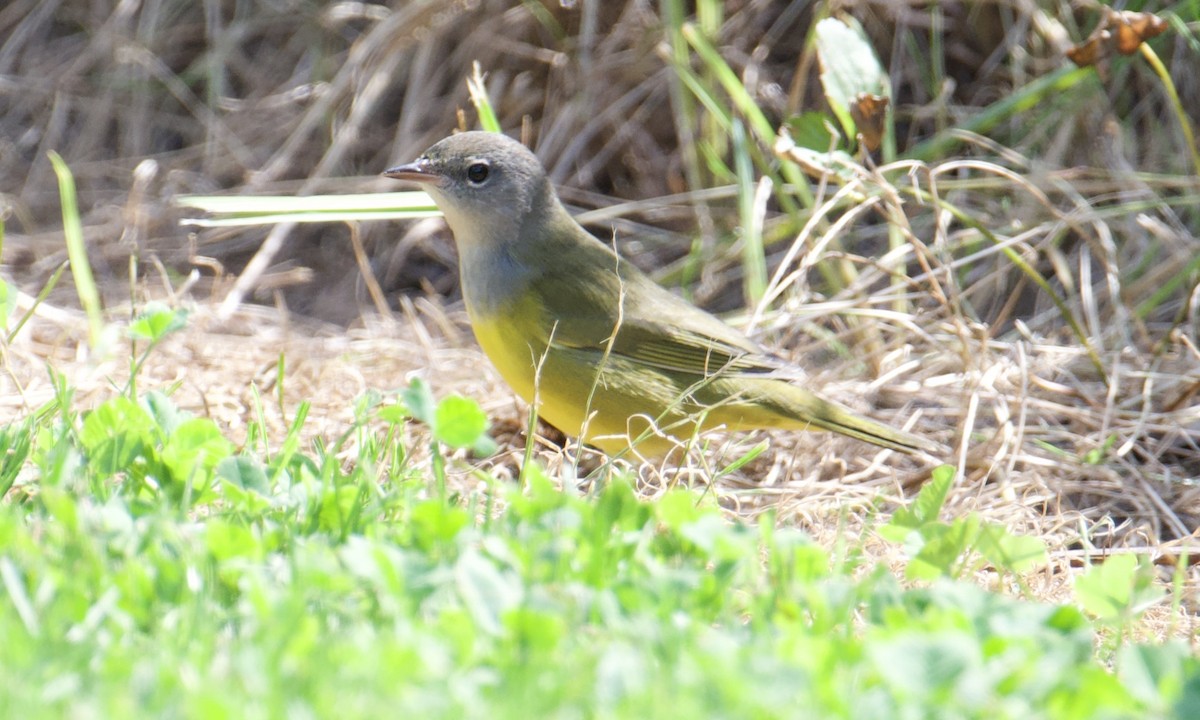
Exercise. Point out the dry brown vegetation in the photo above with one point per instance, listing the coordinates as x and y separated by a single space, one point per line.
1093 188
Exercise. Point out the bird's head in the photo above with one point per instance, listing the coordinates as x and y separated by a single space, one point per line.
486 184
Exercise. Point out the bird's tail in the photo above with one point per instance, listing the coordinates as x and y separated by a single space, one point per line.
795 407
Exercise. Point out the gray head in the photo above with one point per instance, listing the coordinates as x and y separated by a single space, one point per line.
488 185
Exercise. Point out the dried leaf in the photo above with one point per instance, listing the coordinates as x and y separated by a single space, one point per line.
869 113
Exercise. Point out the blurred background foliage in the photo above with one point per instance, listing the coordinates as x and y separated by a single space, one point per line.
146 100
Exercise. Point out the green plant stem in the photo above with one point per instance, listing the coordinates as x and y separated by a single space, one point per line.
1185 123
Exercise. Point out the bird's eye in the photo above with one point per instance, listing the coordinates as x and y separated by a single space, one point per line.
477 173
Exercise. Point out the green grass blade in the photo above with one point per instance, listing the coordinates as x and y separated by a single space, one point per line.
1059 82
1185 122
479 98
261 210
81 269
754 260
760 126
41 297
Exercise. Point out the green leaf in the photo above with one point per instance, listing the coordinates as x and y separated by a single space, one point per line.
166 414
393 414
923 664
932 497
1188 704
487 592
1116 589
483 446
943 545
459 422
924 509
677 508
61 505
1006 551
617 507
418 398
193 451
534 630
1151 672
242 499
115 434
849 68
435 523
812 130
226 540
836 162
541 495
16 442
156 322
711 534
245 472
57 458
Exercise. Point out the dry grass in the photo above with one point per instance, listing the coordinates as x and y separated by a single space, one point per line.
149 100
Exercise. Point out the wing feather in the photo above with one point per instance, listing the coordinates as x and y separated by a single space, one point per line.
653 326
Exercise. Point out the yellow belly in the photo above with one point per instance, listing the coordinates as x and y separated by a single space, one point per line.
513 353
615 402
602 400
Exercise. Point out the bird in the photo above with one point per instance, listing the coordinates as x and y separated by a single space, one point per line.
598 348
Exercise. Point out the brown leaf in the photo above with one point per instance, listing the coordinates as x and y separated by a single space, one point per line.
869 112
1130 29
1120 30
1091 51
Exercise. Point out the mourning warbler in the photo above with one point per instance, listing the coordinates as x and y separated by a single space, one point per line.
602 351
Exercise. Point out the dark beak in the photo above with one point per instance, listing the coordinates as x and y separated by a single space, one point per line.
419 171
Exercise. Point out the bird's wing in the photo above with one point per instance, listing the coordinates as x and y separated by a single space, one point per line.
653 326
684 345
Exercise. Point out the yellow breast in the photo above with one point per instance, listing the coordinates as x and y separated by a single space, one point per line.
513 347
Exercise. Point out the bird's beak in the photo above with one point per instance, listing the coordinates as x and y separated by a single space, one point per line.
420 171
